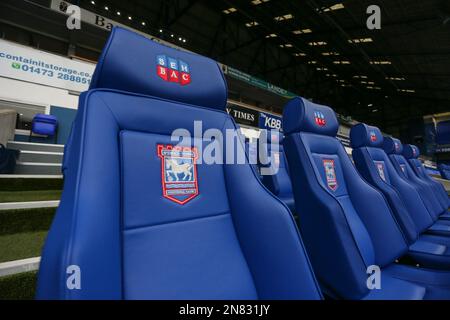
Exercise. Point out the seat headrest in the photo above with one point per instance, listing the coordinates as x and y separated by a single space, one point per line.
130 62
392 145
301 115
411 151
363 135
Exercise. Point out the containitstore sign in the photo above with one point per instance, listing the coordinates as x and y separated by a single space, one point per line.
31 65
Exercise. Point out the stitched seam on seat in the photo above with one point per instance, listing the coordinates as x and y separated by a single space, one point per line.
140 95
121 215
69 244
108 46
426 284
229 118
73 226
174 222
428 253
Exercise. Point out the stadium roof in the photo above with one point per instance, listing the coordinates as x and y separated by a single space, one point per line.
319 49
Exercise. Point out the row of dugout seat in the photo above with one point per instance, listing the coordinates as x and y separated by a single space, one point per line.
141 218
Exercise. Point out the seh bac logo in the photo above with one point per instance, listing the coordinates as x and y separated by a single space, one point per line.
173 70
373 136
178 172
330 174
319 118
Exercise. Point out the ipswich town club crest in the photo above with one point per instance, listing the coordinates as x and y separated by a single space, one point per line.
403 167
373 136
330 174
380 168
178 172
173 70
319 118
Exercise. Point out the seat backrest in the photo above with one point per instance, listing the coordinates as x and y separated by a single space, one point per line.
443 132
412 153
444 170
405 170
346 224
374 165
279 182
141 215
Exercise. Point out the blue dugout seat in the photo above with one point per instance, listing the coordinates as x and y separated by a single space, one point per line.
140 216
347 224
412 154
409 211
444 169
402 166
278 183
431 201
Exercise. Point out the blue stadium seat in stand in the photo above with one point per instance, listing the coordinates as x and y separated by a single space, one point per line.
346 224
139 217
412 154
278 183
410 213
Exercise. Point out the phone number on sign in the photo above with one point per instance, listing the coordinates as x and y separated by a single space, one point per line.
51 73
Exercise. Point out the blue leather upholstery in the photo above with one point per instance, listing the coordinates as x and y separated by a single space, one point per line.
251 150
444 170
346 224
412 153
138 73
403 168
233 240
278 183
409 211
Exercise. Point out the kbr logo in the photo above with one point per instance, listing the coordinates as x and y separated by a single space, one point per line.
373 136
320 118
173 70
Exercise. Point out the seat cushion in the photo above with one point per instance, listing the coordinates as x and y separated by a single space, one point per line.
430 254
436 282
194 259
396 289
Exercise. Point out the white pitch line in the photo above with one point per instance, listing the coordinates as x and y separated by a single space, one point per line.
19 266
29 205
